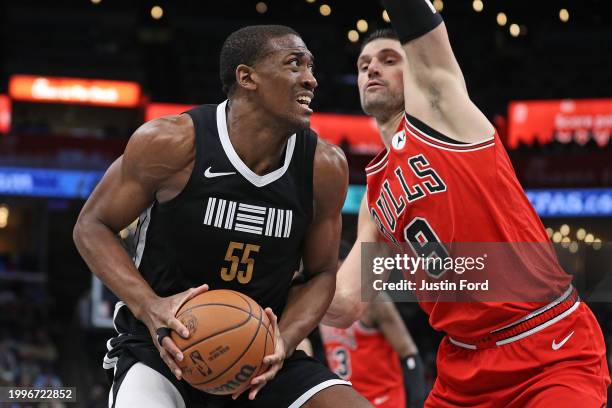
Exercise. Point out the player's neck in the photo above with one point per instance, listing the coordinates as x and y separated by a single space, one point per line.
387 126
259 141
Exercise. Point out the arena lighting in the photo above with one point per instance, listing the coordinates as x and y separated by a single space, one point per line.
597 244
362 26
557 237
5 114
477 5
310 1
589 238
74 90
580 234
564 230
438 5
325 10
385 16
353 36
96 1
502 19
549 232
564 15
4 215
515 30
261 7
157 12
573 247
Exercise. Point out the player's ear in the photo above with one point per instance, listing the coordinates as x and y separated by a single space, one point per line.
246 77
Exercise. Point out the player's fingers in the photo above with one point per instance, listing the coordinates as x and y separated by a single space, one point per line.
272 318
273 359
254 391
176 325
236 395
193 292
171 364
267 376
171 348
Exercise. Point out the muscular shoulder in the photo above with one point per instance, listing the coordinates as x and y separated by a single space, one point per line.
330 175
160 148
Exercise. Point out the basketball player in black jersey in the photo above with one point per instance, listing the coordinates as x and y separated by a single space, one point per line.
230 196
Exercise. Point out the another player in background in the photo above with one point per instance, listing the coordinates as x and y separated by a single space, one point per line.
446 178
378 356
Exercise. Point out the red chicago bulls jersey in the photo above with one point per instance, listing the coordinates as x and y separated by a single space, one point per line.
364 357
426 186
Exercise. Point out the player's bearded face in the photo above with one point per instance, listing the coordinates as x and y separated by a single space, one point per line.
286 82
380 77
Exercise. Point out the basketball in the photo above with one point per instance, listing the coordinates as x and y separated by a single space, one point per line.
229 335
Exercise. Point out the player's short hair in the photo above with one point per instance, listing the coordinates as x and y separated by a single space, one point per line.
246 46
387 33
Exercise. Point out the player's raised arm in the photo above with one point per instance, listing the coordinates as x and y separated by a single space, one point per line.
346 307
434 87
156 153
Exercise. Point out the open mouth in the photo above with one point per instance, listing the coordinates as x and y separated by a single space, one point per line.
304 102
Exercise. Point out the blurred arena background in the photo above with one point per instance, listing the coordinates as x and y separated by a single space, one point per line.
77 77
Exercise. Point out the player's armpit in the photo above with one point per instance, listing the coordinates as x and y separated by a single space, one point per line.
434 87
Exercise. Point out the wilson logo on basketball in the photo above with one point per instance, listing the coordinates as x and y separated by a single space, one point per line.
199 362
240 378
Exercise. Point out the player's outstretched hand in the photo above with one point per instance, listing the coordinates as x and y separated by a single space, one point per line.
274 361
160 314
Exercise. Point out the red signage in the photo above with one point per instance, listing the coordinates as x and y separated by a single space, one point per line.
564 121
157 110
359 132
74 90
5 114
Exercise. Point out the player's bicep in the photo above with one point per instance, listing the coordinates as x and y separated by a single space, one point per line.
435 89
119 197
330 184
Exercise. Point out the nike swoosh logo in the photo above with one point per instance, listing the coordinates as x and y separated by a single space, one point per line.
557 346
210 174
380 400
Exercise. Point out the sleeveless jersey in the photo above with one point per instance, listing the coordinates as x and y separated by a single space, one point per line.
229 227
363 356
426 187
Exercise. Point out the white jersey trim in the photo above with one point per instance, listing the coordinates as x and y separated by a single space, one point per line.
141 235
422 139
458 144
319 387
247 173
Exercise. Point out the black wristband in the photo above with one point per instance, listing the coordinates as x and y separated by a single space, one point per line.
414 380
412 18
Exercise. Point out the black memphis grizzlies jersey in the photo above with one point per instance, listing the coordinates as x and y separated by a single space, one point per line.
229 227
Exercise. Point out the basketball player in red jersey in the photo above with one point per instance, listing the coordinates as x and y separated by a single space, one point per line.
445 177
378 356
